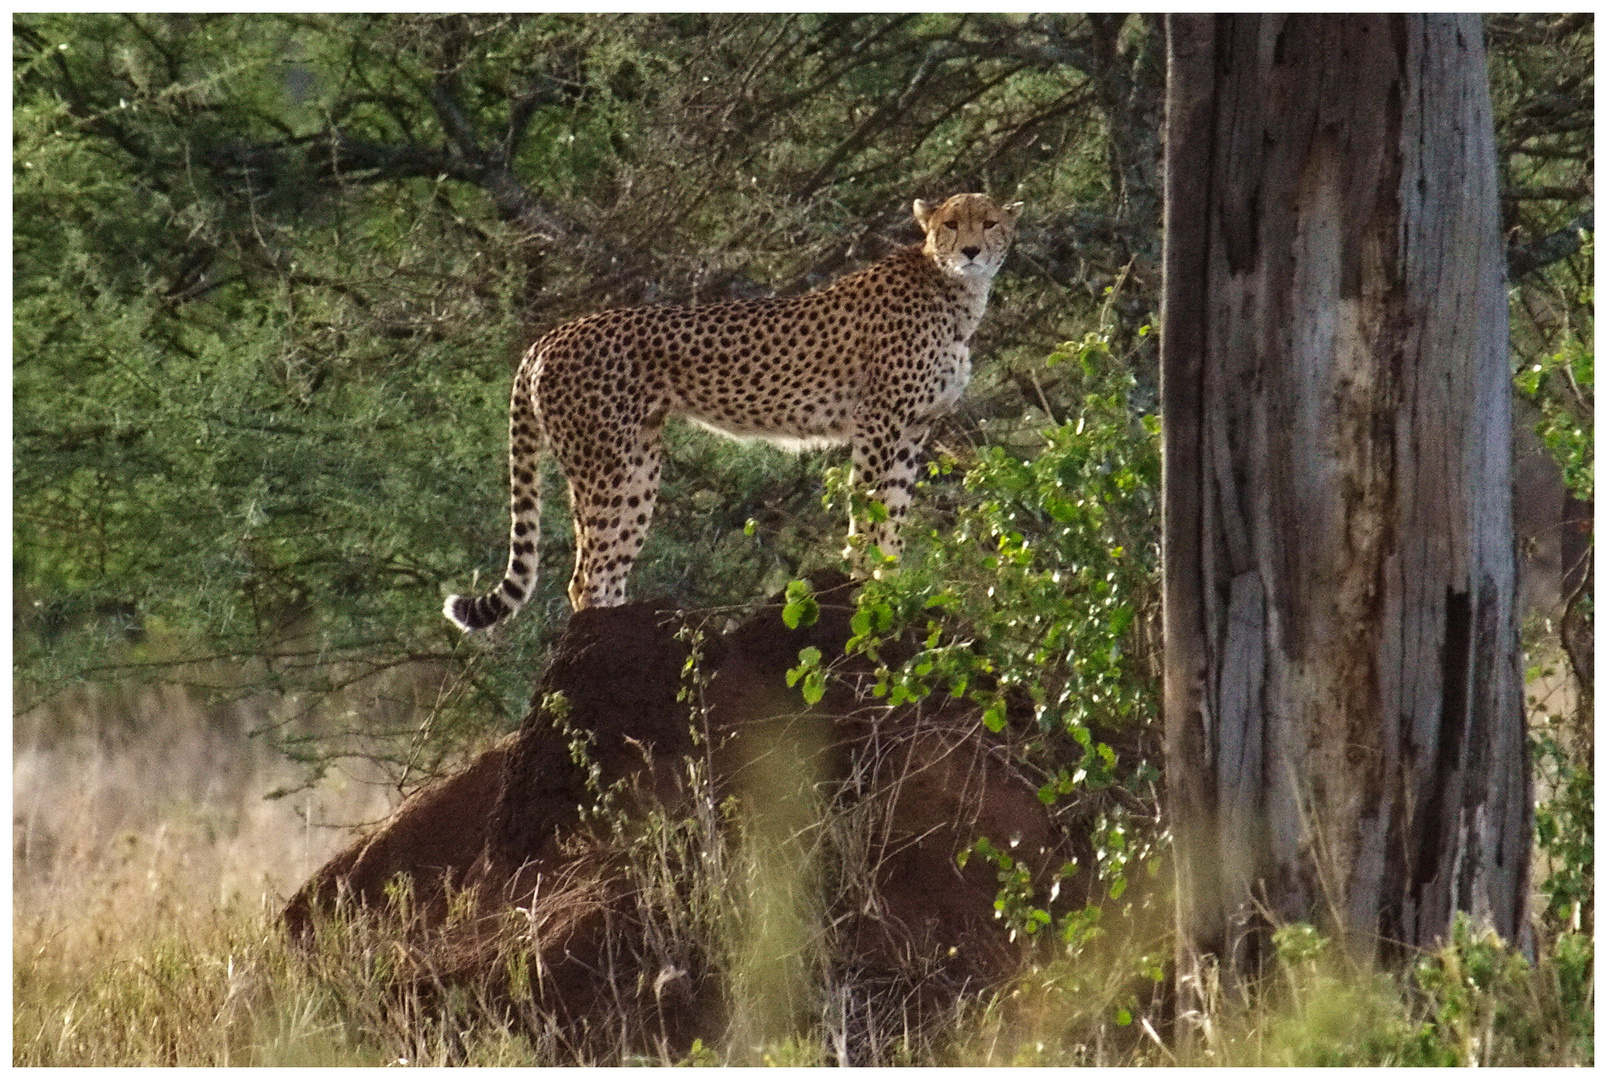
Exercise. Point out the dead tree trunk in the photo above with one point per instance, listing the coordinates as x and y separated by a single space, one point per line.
1344 722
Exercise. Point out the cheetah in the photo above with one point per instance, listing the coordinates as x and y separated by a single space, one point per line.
868 360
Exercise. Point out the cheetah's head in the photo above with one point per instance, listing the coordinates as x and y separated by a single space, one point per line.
968 235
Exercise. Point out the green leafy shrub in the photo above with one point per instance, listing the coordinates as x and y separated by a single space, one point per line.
1562 384
1034 598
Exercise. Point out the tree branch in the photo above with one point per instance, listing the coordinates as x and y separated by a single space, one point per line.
387 162
545 90
1527 258
512 199
861 135
1545 193
459 133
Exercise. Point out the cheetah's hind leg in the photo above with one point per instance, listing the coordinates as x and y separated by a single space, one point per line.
612 509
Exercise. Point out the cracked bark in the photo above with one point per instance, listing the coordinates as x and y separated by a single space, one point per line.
1345 733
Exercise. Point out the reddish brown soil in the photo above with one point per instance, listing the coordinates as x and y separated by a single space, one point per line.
533 876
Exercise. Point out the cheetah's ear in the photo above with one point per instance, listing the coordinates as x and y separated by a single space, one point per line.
923 213
1014 210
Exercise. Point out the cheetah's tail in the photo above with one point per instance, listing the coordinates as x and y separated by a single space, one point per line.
525 440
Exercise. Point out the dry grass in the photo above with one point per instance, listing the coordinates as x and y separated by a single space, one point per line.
147 871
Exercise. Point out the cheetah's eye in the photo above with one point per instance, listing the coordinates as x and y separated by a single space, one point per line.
989 224
955 225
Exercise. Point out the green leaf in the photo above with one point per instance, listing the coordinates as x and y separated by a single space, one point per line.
808 664
802 609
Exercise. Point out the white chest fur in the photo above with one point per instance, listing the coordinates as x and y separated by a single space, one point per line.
952 370
972 297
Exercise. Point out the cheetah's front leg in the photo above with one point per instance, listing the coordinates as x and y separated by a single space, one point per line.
886 453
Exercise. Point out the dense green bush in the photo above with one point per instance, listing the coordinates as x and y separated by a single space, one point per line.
1031 589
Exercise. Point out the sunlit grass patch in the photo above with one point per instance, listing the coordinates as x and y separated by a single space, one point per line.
148 871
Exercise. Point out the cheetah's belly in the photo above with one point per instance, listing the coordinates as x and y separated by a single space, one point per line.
790 406
794 439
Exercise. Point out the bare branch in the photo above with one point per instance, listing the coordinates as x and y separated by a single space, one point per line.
1544 194
453 121
883 116
1527 258
544 91
513 200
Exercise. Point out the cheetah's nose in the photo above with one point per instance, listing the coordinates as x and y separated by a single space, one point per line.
971 252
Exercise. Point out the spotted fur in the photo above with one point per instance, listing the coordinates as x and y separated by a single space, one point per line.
867 360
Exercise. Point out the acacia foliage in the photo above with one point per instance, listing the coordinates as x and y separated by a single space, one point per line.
273 273
1542 80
